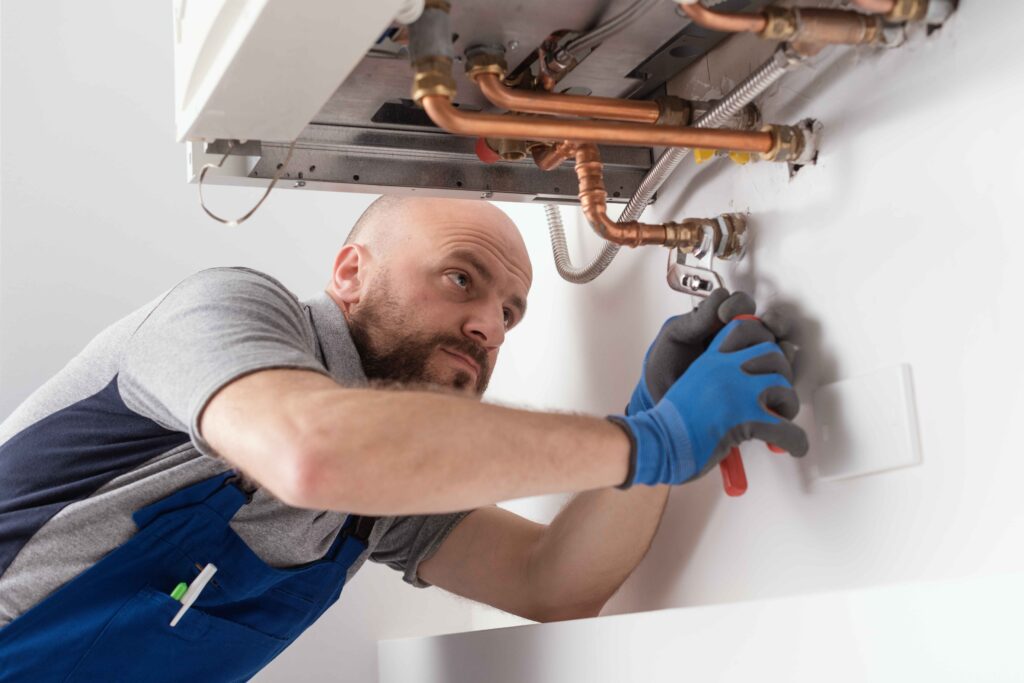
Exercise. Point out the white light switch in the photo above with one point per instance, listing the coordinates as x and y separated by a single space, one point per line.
867 424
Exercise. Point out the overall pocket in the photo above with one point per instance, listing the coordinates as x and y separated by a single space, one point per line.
139 644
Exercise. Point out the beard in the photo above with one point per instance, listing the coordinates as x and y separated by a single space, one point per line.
390 352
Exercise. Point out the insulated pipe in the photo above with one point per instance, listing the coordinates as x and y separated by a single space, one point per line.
537 102
560 250
440 110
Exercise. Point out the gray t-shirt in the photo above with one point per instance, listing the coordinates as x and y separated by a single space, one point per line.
117 429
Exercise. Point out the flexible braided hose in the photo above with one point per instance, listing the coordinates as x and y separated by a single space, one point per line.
730 105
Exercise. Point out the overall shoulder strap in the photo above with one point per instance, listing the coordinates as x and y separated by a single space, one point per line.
217 492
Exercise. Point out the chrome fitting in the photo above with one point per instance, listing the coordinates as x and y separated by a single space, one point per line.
894 35
939 11
430 36
732 240
485 59
673 111
810 132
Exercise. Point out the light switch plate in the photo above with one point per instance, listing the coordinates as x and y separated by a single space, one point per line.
867 424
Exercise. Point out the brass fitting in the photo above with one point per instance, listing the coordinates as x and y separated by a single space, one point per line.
485 60
442 5
688 235
907 10
829 26
433 77
787 143
725 237
782 24
732 245
511 150
673 111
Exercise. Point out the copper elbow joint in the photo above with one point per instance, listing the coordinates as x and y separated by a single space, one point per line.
688 235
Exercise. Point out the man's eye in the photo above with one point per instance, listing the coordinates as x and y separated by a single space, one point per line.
508 318
460 280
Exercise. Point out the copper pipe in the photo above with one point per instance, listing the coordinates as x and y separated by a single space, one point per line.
727 22
549 157
837 27
876 6
828 26
439 108
687 235
537 102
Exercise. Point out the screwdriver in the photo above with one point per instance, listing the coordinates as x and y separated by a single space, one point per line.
734 477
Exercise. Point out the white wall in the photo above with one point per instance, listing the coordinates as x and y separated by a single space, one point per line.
903 245
97 219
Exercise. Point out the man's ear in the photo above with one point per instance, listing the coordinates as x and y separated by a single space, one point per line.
349 276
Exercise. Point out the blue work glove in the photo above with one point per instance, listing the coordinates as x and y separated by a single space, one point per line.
681 340
739 389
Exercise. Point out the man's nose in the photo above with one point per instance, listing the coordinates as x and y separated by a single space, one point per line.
486 327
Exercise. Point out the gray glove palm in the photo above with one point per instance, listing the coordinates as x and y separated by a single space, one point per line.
683 338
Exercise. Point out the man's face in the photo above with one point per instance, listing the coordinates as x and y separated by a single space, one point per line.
438 309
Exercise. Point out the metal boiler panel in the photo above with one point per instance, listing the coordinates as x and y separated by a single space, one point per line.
369 137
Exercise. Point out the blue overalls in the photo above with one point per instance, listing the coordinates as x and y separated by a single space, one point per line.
112 622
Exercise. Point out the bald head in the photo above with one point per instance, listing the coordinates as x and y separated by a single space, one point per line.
430 287
392 220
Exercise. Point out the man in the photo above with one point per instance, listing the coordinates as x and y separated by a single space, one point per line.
194 489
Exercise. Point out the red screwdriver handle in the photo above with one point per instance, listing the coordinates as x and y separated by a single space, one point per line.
734 477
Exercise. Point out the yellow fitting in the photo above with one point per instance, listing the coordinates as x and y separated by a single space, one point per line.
741 158
702 155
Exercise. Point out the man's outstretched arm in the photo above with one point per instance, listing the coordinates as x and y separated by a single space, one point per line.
566 570
313 443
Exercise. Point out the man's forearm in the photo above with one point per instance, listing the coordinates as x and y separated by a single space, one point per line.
593 545
404 452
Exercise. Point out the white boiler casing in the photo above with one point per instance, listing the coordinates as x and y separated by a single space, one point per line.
262 69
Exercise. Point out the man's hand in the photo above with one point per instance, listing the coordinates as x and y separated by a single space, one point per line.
739 389
680 341
683 338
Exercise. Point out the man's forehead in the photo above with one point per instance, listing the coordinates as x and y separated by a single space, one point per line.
465 226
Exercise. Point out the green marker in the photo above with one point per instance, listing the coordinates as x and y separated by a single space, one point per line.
179 590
